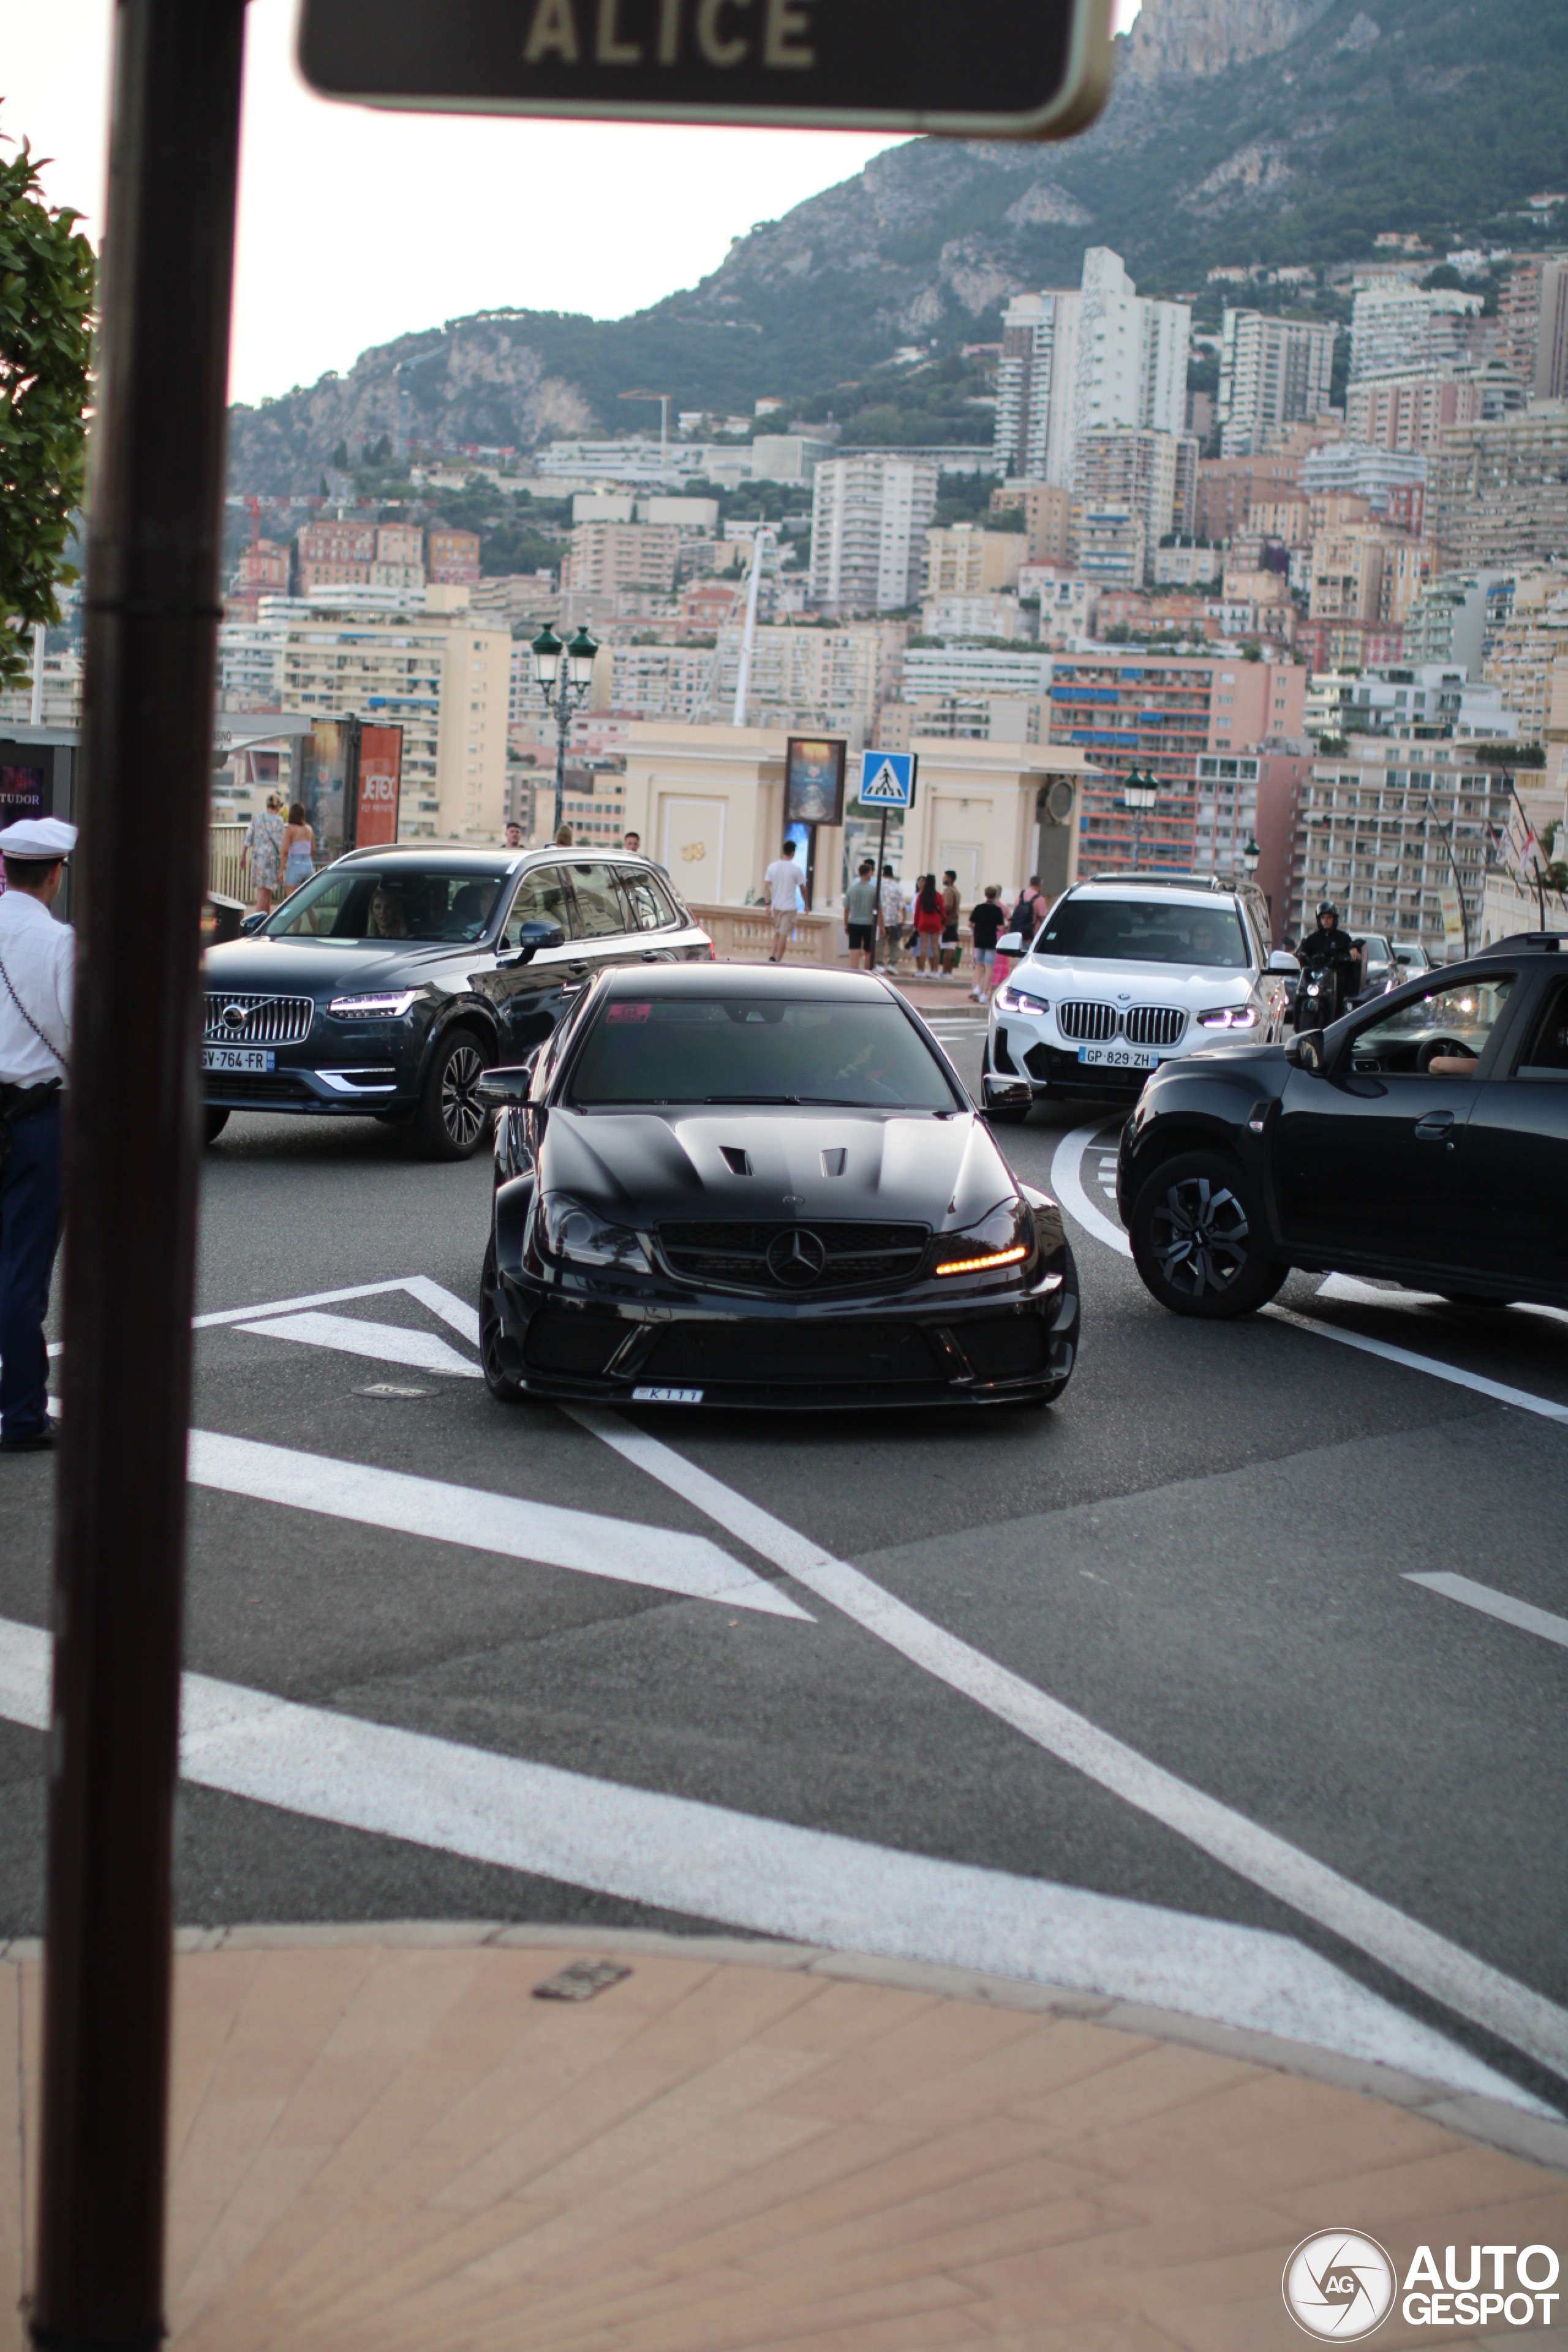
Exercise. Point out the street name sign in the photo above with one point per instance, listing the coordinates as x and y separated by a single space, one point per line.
1037 71
887 779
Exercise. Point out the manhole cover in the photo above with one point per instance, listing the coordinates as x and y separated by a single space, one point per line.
581 1982
394 1389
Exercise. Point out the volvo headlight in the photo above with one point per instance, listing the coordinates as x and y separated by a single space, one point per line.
1229 1017
1006 1237
1020 1000
578 1235
389 1007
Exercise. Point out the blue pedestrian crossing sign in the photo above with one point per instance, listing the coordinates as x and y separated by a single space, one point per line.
887 779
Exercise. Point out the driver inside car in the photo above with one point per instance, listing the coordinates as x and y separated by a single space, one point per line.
387 920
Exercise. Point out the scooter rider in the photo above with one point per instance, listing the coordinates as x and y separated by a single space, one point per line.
1327 947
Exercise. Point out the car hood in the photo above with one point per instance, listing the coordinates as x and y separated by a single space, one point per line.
300 967
1191 986
642 1167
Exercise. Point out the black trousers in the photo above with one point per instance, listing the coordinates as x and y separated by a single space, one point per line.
29 1235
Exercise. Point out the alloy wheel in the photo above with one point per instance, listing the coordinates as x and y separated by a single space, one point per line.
1199 1237
462 1113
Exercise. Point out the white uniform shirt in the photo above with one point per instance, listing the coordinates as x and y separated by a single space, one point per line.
40 960
784 878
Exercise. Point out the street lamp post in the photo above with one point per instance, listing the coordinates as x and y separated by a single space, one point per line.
1250 857
1140 794
564 673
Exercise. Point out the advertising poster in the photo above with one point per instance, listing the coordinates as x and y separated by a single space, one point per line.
379 786
21 795
813 780
324 755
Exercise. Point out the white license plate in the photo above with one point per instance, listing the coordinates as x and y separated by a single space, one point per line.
667 1396
238 1057
1120 1057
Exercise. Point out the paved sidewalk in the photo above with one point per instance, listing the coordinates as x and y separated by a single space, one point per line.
380 2140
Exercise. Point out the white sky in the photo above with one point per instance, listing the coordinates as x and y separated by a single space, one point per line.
356 227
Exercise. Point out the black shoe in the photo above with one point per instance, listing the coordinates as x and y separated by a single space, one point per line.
36 1441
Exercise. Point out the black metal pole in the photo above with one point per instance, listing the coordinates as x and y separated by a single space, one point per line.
155 515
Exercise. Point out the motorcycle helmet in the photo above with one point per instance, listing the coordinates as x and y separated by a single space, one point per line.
1329 908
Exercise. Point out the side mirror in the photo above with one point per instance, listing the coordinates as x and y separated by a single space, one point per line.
1004 1093
1011 943
1282 960
1305 1052
251 922
534 935
507 1090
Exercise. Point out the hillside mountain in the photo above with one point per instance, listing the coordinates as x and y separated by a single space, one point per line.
1273 130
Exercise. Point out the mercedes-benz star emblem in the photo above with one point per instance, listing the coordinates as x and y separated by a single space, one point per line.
234 1016
796 1258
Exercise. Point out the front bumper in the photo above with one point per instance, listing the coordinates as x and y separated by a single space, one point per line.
1021 1049
907 1348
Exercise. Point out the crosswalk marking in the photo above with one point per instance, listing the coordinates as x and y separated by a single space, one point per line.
622 1550
391 1343
1502 1605
812 1887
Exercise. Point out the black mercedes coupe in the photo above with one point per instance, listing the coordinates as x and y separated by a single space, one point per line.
743 1185
385 984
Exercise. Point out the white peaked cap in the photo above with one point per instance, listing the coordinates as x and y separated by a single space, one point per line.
38 836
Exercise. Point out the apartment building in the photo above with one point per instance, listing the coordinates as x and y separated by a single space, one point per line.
1409 412
1164 713
1272 372
1424 698
806 677
870 515
663 681
1047 518
262 571
937 673
250 662
611 559
1111 545
1228 487
996 616
437 670
1397 329
454 558
1370 834
1150 474
963 561
1497 493
1347 469
1074 358
1528 659
337 554
1069 603
964 718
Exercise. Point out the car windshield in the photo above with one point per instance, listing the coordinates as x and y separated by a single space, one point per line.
403 901
756 1049
1447 1027
1137 931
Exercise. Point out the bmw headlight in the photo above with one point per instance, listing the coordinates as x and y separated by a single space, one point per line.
1229 1017
390 1006
578 1235
1006 1237
1012 999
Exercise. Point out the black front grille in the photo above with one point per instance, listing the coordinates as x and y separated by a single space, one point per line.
560 1341
735 1257
1004 1347
796 1355
242 1020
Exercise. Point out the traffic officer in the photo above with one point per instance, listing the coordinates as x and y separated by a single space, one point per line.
38 961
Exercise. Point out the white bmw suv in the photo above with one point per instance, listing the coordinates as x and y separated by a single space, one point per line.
1125 973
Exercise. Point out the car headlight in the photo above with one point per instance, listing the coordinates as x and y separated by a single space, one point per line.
1006 1237
1229 1017
579 1237
1020 1000
390 1007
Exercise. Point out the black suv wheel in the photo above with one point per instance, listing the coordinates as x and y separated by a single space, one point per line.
452 1122
498 1379
1198 1240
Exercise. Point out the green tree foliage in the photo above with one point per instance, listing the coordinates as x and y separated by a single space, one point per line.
45 342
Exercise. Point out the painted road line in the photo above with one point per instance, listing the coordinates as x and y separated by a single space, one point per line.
1468 1986
1346 1290
391 1343
462 1314
1499 1391
621 1550
1502 1605
286 1306
808 1885
1066 1183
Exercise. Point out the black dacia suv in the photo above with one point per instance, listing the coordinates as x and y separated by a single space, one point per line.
385 985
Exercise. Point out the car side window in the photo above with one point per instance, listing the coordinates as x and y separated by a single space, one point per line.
1440 1035
1545 1054
651 911
600 913
540 898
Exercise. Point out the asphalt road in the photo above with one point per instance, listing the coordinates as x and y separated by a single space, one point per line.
1202 1556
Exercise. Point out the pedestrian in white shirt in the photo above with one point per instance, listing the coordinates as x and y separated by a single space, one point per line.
38 962
785 880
